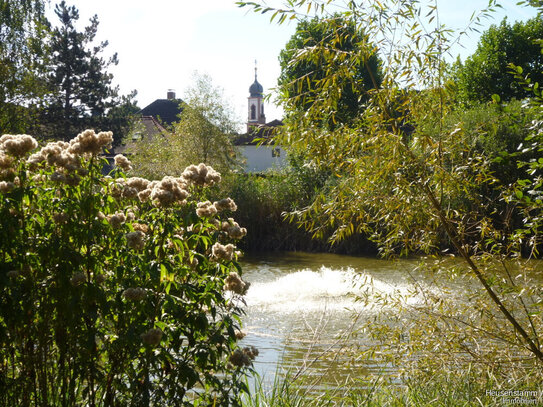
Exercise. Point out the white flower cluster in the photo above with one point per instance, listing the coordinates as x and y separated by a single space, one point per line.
66 157
205 209
128 188
233 229
17 145
138 183
5 160
6 186
12 147
140 227
226 204
130 215
116 220
152 337
201 175
220 252
168 191
135 294
122 162
57 154
88 142
235 284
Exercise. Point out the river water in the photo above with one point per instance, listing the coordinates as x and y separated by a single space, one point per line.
300 309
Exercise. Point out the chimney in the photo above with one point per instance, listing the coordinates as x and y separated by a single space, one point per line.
171 94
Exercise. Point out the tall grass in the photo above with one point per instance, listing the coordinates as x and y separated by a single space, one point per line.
469 387
264 199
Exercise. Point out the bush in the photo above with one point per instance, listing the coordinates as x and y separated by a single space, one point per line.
268 204
113 290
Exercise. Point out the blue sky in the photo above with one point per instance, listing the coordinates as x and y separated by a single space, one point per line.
161 43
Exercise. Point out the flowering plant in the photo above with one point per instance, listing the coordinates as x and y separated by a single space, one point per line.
114 290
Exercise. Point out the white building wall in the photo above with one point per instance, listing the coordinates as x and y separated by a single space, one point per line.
262 158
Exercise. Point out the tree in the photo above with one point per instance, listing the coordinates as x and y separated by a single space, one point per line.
22 48
487 71
412 192
320 46
81 91
203 134
206 126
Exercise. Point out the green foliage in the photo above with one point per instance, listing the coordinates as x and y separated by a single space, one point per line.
206 126
153 157
264 200
411 188
474 387
526 192
113 291
80 94
487 72
203 134
329 39
22 50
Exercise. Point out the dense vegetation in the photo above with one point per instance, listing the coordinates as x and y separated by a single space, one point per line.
354 81
114 291
486 72
429 168
54 77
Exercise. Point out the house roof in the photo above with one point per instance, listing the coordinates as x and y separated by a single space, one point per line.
164 110
260 131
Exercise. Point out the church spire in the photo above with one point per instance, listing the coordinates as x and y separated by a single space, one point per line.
256 103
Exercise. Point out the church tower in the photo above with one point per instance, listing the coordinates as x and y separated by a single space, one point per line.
256 114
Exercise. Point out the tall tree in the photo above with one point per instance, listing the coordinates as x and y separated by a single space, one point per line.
321 46
487 71
22 47
206 126
409 192
203 134
81 88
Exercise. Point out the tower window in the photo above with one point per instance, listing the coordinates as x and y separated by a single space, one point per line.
253 112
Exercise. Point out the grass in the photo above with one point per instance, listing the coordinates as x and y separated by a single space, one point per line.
472 386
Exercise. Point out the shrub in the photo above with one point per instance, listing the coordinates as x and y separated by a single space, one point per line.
112 291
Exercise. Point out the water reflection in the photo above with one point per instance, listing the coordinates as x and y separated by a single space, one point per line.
301 307
300 310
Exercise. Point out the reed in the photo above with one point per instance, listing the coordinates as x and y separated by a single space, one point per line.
470 387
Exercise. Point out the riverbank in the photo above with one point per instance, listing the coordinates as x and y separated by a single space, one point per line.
466 388
264 200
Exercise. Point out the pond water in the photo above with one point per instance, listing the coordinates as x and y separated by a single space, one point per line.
300 309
